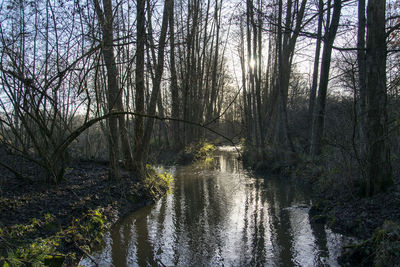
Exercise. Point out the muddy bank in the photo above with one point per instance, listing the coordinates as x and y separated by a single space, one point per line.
374 221
74 213
357 216
58 216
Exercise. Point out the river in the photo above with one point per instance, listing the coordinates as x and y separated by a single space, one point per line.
222 216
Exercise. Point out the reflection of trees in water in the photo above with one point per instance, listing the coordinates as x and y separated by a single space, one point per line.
160 226
121 238
226 162
203 214
318 230
258 244
205 210
177 210
145 251
245 237
130 236
280 196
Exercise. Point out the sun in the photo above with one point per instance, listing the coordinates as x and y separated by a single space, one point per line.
252 63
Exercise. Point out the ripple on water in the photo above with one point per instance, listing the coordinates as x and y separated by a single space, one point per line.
222 216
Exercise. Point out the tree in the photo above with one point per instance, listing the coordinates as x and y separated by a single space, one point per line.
379 170
159 68
319 117
246 114
314 85
174 80
285 60
40 82
117 126
140 87
361 61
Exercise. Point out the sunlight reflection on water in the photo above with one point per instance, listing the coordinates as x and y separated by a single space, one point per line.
222 216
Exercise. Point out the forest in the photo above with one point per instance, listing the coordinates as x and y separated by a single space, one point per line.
95 94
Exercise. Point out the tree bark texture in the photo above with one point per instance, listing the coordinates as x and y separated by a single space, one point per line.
174 81
140 88
314 85
361 61
117 126
319 120
379 173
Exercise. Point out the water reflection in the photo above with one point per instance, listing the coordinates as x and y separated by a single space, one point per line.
222 216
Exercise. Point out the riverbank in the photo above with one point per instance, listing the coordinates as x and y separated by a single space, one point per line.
200 151
338 202
374 221
48 224
52 224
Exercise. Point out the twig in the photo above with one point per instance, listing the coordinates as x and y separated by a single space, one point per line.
17 174
91 122
160 262
9 245
230 104
86 254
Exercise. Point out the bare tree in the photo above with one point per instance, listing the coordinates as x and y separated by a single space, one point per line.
117 126
140 87
314 85
319 119
361 60
379 170
159 68
174 79
41 80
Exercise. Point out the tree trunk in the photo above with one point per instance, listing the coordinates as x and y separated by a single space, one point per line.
174 81
246 114
157 80
260 109
286 45
314 85
114 96
319 120
140 87
214 78
362 74
164 140
251 88
379 172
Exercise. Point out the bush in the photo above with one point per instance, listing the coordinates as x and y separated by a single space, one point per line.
157 184
205 152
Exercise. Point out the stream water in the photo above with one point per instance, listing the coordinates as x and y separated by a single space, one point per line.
222 216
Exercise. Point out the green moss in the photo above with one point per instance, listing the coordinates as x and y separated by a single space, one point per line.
157 184
54 261
25 246
205 153
208 160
